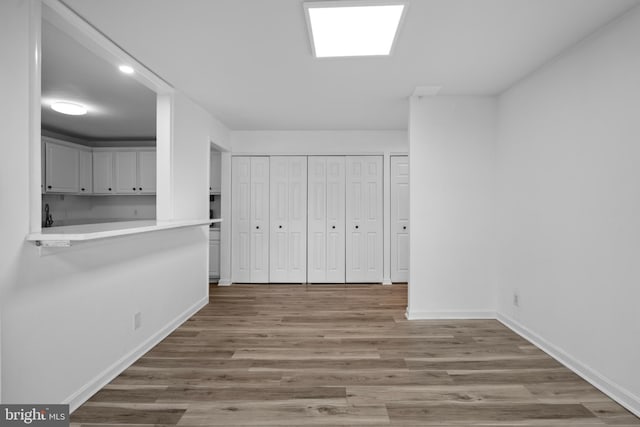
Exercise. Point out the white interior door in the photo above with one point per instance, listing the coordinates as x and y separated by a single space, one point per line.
259 245
399 218
241 219
364 208
288 209
326 215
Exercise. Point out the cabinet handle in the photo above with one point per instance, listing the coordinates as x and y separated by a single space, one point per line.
404 227
48 186
140 188
357 226
333 227
109 188
82 189
134 188
257 227
279 226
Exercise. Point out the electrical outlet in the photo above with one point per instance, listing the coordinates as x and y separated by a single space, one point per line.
137 320
516 299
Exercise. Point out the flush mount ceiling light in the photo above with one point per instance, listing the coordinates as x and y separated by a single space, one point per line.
126 69
353 28
70 108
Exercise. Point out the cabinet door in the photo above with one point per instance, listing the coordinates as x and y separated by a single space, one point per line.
259 219
364 219
399 218
147 171
326 212
86 172
62 164
241 219
215 177
214 258
288 184
103 172
126 176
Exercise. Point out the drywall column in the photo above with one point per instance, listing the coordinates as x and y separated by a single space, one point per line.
225 227
386 217
451 152
568 204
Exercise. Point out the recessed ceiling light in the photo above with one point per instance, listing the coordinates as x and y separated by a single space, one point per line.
126 69
69 108
353 28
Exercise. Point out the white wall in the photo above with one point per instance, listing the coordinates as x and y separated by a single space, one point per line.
451 162
569 156
67 314
384 143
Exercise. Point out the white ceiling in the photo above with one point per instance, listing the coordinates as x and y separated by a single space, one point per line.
249 61
119 107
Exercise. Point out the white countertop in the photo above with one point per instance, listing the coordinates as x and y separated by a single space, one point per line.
63 236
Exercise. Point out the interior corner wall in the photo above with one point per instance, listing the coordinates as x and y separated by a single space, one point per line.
67 314
451 163
568 206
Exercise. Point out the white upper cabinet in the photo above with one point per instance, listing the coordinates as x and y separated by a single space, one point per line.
126 172
399 218
61 169
288 218
215 177
103 168
147 171
85 172
364 207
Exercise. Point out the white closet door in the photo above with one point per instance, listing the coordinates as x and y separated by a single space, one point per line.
288 219
326 220
399 218
241 219
364 219
259 220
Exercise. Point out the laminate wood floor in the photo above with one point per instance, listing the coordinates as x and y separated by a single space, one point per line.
343 355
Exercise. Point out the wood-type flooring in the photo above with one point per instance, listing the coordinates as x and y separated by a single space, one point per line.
332 355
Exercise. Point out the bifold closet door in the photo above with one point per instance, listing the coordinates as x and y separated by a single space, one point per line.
364 207
288 213
399 218
250 219
326 219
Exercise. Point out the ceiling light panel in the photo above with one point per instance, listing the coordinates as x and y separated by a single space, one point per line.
339 29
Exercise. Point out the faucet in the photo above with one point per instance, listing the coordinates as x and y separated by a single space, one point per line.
48 219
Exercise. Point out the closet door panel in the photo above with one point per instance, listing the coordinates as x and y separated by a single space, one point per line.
279 207
241 224
297 225
364 219
317 222
259 220
335 220
399 218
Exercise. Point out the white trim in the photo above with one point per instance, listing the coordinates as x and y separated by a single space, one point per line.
93 386
450 314
387 282
621 395
222 282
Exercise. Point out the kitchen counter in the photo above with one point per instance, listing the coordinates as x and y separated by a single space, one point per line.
63 236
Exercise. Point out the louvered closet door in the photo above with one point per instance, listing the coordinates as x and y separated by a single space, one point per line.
399 218
326 215
259 217
288 209
364 219
241 219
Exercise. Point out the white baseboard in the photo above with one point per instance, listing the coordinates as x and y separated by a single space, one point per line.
224 282
450 314
79 397
608 387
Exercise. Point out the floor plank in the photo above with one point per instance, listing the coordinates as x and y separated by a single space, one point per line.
328 355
